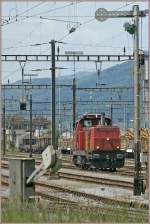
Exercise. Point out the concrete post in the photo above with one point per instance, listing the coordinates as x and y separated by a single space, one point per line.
53 95
137 179
20 169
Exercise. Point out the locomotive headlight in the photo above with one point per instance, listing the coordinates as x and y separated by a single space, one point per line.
107 139
97 147
117 147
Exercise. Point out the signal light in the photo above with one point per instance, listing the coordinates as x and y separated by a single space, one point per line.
130 28
22 106
22 103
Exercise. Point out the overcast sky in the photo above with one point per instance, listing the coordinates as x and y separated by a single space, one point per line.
22 26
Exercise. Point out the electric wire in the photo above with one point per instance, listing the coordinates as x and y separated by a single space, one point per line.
68 43
80 24
40 13
127 4
58 20
26 11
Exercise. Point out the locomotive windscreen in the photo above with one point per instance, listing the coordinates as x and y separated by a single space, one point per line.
90 122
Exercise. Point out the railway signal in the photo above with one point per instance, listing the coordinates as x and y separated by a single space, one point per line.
101 15
130 28
22 103
74 102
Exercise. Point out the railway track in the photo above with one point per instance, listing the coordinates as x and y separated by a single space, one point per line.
65 174
47 186
127 170
66 196
96 180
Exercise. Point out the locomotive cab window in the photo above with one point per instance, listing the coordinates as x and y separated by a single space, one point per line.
87 123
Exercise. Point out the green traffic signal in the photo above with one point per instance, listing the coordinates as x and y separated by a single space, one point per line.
131 29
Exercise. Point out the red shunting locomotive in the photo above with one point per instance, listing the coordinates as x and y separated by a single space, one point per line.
96 143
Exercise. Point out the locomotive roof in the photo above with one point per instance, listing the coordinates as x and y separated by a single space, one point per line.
92 116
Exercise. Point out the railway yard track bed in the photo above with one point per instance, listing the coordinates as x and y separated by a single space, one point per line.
80 192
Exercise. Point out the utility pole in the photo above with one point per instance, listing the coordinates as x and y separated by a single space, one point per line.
137 179
101 15
53 95
125 118
111 112
30 126
74 53
4 130
74 102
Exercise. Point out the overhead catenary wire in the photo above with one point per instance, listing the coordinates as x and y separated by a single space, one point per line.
78 16
40 13
68 43
36 27
26 11
81 25
58 20
125 5
57 9
83 44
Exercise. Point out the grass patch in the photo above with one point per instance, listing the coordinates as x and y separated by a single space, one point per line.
45 212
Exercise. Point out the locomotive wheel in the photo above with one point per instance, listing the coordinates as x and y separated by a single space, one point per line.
104 169
92 168
112 169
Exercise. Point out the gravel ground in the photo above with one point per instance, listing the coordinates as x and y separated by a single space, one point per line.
100 190
98 174
97 189
4 191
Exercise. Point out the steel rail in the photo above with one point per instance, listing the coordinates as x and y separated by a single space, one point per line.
134 210
94 197
89 179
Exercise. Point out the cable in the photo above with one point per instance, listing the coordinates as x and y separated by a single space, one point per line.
125 5
49 17
18 15
29 34
95 45
31 8
58 20
81 24
75 44
51 10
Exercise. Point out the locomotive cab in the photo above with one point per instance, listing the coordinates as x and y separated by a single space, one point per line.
96 143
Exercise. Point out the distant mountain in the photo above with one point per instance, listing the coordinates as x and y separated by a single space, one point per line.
115 76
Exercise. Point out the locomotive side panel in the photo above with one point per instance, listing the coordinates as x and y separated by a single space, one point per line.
81 141
87 140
